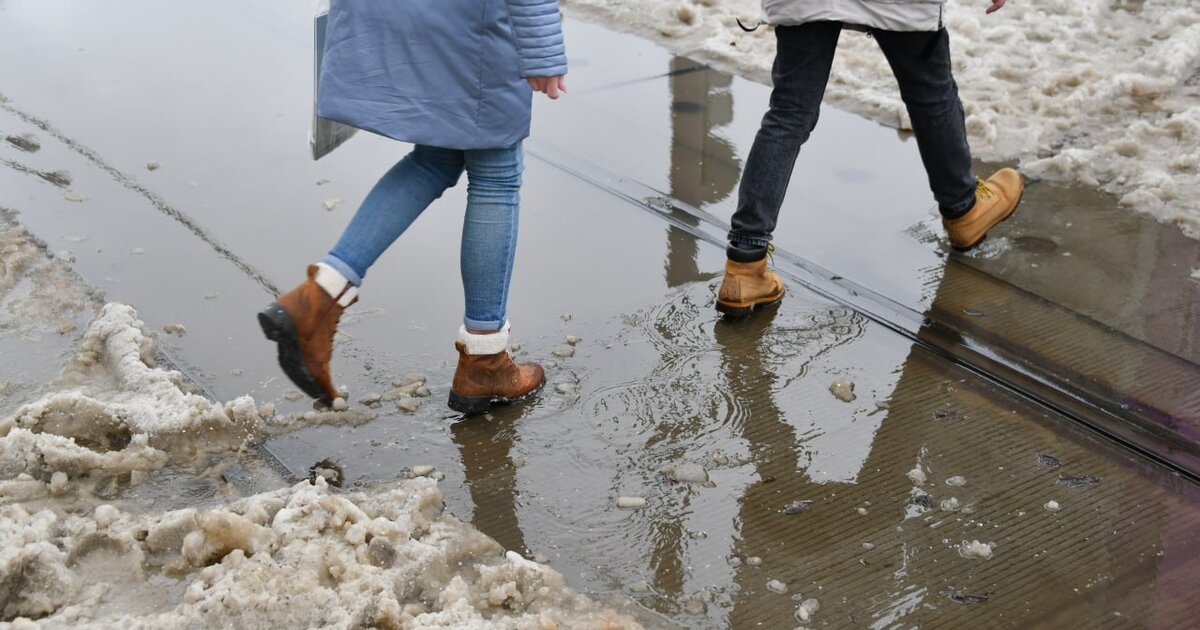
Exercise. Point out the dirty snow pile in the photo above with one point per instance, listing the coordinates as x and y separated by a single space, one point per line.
1105 93
82 546
298 557
112 411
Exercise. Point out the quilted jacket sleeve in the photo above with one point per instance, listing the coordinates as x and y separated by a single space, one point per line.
537 26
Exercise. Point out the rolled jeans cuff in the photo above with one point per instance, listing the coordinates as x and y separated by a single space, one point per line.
340 265
483 325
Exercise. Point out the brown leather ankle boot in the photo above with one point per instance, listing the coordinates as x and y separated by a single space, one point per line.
302 322
748 286
995 201
487 374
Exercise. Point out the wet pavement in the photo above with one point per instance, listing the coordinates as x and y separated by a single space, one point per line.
1073 334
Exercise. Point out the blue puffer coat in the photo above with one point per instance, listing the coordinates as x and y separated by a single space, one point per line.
446 73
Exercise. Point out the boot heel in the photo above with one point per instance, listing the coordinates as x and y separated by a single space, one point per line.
278 326
469 405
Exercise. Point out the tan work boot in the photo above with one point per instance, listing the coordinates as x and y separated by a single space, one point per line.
748 286
302 322
995 200
487 374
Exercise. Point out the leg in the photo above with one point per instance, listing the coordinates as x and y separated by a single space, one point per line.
399 197
921 63
302 322
802 62
489 239
486 372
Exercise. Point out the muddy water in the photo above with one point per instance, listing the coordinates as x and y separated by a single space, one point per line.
657 380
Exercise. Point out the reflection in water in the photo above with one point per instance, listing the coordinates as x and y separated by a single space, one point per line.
704 167
1094 558
773 450
485 443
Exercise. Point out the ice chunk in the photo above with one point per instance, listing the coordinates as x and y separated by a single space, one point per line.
775 586
842 389
421 470
807 609
631 503
975 550
410 379
686 473
917 476
58 483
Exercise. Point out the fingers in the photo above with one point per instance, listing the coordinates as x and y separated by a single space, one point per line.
996 6
552 87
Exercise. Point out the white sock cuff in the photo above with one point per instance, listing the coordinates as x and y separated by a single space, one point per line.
333 282
492 343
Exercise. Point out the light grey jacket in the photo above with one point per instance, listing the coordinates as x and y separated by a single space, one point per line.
885 15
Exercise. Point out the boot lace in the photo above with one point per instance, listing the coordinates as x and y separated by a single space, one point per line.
771 253
982 189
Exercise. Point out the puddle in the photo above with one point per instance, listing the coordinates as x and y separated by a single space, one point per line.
655 380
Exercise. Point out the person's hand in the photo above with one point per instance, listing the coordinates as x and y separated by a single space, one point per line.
996 5
554 86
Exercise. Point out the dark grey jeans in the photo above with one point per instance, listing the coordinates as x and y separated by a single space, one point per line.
921 63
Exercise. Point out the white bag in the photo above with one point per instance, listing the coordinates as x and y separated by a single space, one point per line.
325 135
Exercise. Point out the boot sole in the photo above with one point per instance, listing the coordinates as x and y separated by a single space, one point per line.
735 312
278 326
985 234
475 405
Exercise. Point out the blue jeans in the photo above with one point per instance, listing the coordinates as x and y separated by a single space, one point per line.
489 237
921 63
